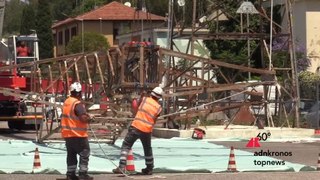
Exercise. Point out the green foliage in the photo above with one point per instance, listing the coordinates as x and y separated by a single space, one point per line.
12 17
160 8
86 6
43 27
234 51
308 81
61 9
92 42
28 20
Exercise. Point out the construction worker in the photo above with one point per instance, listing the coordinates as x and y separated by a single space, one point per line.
141 128
23 50
74 124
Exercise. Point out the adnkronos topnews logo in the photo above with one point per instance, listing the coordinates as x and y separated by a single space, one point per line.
254 143
271 154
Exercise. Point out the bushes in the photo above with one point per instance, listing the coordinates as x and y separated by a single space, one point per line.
92 42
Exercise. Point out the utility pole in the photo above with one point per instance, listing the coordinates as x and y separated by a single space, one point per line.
2 8
295 83
170 24
193 25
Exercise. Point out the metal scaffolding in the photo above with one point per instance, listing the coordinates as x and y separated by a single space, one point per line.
114 77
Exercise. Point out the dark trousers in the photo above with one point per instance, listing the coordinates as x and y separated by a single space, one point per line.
131 137
77 146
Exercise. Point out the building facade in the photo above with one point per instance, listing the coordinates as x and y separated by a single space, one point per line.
306 30
111 20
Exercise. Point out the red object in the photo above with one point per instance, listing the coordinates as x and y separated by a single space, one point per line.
253 142
9 79
104 99
22 51
317 131
134 105
232 161
36 162
103 131
130 162
198 133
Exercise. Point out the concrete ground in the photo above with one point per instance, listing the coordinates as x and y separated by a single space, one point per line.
304 153
221 176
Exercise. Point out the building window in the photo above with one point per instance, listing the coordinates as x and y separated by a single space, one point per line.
66 36
60 38
74 31
115 33
55 37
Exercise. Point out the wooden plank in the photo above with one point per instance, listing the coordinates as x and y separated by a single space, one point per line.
67 74
141 67
102 83
110 63
77 71
30 117
217 88
62 74
43 61
183 74
214 62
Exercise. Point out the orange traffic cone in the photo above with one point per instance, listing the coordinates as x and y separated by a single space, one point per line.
130 164
318 167
36 161
232 161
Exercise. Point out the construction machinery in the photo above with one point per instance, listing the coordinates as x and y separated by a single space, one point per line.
16 110
119 73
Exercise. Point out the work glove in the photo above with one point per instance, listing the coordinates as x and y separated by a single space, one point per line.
201 107
91 118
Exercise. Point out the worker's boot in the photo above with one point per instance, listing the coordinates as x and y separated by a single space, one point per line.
84 176
72 176
119 170
146 171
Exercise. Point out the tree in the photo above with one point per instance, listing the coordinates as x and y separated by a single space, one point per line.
86 6
308 81
12 17
43 27
234 52
27 20
92 42
160 8
281 57
61 9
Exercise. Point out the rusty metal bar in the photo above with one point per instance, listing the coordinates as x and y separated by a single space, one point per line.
100 72
215 62
141 66
77 71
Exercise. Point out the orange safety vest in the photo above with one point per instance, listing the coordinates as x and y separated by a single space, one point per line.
71 126
148 111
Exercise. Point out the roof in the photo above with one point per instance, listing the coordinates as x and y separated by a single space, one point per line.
113 11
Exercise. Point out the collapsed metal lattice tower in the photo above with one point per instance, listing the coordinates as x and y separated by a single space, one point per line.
194 84
114 77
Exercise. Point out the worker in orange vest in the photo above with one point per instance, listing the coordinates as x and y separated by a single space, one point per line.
136 102
141 128
74 124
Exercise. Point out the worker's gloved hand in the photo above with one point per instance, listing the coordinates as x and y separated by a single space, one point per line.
91 118
201 107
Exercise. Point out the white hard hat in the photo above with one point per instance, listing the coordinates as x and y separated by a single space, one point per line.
76 86
157 92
